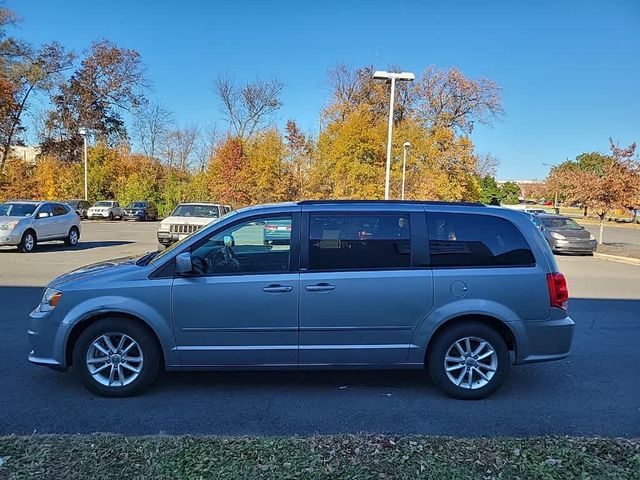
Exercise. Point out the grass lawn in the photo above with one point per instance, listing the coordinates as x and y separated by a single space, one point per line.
331 457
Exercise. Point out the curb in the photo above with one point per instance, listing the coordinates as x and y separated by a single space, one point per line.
616 258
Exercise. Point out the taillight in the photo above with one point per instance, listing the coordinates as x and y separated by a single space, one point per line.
270 227
558 291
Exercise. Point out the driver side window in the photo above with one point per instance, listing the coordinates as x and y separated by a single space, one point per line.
256 246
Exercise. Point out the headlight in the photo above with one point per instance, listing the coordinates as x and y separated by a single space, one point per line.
558 236
591 237
50 299
9 225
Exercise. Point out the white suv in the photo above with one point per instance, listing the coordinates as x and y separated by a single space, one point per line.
25 223
187 218
108 209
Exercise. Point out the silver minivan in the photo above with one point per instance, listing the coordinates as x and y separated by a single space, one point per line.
462 290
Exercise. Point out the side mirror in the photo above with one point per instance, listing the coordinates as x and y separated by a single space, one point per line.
43 215
183 263
229 241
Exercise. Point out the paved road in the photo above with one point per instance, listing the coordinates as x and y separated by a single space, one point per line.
596 391
617 235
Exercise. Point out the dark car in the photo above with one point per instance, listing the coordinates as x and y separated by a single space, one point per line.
564 235
80 206
141 210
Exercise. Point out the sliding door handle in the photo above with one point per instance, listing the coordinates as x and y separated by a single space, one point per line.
320 287
277 289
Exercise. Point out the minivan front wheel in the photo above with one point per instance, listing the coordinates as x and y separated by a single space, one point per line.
469 360
116 357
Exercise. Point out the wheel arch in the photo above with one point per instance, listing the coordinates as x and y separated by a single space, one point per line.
501 327
85 323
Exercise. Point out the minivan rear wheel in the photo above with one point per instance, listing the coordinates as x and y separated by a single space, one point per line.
469 361
115 357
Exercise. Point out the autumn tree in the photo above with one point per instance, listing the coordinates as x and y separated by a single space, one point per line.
451 100
24 71
248 107
180 147
602 183
300 150
109 81
228 176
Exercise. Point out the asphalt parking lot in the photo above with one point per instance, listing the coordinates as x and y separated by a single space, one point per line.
596 391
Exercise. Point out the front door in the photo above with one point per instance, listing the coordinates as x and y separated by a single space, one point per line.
240 306
360 298
45 223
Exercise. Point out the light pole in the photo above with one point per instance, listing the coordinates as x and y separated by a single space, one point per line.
83 131
406 146
391 78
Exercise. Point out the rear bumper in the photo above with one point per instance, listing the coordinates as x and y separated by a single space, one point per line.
543 341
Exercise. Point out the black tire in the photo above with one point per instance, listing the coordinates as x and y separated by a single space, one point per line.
28 242
116 325
145 218
110 216
438 352
71 240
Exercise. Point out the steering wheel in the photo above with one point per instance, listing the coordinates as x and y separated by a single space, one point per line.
224 260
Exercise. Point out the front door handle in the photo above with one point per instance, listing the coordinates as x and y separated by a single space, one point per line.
277 288
320 287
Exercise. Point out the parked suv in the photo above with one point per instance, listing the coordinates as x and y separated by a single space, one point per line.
108 209
141 210
25 223
462 289
187 218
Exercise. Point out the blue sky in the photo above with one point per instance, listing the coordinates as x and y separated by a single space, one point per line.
570 70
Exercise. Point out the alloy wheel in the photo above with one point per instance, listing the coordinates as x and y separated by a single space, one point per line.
114 359
471 362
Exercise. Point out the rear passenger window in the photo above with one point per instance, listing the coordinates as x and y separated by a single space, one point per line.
60 209
354 242
470 240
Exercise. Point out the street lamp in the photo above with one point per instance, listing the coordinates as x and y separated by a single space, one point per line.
406 146
391 77
83 131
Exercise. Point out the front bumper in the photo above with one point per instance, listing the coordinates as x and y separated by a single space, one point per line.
94 215
133 216
10 237
573 246
543 341
168 238
46 339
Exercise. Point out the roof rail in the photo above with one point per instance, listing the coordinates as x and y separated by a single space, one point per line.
395 202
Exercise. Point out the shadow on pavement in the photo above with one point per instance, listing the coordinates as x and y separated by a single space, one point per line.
61 247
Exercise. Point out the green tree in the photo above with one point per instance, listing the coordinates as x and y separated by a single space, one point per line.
490 192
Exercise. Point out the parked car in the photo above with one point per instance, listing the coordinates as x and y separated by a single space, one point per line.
108 209
26 223
462 289
276 231
564 235
188 218
142 210
80 206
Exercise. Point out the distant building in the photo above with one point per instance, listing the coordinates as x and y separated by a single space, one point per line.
28 153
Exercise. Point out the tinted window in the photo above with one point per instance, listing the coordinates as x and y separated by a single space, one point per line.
256 246
338 242
469 240
103 204
59 209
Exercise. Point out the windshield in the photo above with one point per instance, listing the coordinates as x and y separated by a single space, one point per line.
561 223
73 203
102 204
137 205
196 211
17 209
